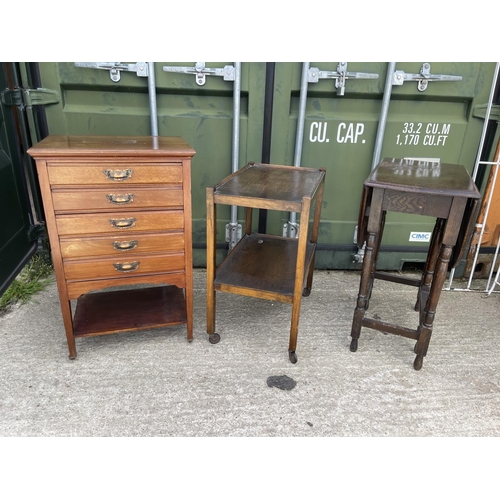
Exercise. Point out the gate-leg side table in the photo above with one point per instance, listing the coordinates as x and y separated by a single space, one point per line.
263 265
444 191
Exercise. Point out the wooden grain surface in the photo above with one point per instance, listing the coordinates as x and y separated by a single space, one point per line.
126 310
425 177
88 146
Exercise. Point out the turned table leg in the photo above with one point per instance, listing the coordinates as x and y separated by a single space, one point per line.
425 329
364 288
374 227
430 264
374 259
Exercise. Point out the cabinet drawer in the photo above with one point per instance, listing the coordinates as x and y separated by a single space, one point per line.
124 266
115 222
120 246
66 200
113 173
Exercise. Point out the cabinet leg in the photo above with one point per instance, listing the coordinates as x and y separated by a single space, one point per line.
189 313
68 326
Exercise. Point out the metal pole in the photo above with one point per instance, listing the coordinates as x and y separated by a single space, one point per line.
236 130
302 113
498 243
383 114
485 125
483 228
474 174
292 227
233 229
386 99
152 99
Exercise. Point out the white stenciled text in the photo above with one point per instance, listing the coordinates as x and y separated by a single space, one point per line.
426 134
347 133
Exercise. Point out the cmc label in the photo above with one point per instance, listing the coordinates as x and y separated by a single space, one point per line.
421 237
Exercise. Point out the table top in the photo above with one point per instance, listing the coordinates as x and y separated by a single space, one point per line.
272 182
424 177
84 145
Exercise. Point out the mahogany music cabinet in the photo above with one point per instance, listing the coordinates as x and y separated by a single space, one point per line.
118 213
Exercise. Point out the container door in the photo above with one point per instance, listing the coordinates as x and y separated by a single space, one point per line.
17 241
440 122
97 101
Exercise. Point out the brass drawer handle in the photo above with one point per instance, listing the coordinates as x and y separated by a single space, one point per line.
118 175
120 199
126 267
123 223
125 245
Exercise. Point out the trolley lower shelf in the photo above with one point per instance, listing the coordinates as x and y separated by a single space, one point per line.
263 266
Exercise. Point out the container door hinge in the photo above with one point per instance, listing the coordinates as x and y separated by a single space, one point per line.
423 78
23 98
114 68
480 111
340 76
200 71
36 231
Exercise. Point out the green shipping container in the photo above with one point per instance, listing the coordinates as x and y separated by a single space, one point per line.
430 111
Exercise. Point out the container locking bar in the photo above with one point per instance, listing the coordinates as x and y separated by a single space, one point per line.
227 72
340 76
423 78
114 68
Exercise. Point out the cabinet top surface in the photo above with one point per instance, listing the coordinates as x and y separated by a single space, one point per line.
271 182
79 145
424 177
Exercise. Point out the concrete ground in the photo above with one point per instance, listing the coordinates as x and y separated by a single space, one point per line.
155 383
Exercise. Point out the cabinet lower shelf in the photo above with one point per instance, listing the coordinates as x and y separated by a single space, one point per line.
262 266
127 310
